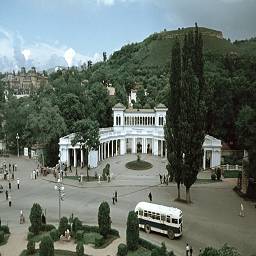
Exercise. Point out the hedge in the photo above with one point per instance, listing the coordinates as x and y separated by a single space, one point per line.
99 242
79 235
1 236
47 227
54 234
122 250
114 232
148 245
30 235
31 247
89 229
5 229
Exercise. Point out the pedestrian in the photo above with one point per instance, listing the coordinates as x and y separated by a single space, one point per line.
160 176
108 177
10 200
164 178
70 170
13 167
6 194
99 179
187 250
116 196
150 196
241 214
13 176
9 167
191 251
76 170
10 185
113 199
18 183
34 174
37 172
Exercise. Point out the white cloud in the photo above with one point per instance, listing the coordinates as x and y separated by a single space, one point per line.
15 53
26 53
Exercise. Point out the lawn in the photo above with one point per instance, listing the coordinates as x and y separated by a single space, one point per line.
139 165
140 252
231 174
89 238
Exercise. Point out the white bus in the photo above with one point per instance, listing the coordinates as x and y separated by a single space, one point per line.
159 218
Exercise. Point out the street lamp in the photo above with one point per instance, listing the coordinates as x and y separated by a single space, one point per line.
60 188
17 138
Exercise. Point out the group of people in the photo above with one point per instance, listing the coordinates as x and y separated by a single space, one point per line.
164 179
189 250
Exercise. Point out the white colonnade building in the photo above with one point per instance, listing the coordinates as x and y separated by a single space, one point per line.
134 131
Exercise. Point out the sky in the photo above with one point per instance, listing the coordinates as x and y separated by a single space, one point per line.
48 33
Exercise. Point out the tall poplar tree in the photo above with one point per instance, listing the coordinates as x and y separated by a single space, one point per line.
186 111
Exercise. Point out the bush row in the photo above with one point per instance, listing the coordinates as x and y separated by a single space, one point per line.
148 245
5 229
1 236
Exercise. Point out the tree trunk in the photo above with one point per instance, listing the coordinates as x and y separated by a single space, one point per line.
178 186
188 199
87 171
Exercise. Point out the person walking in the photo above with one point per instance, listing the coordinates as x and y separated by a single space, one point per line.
241 214
18 183
160 176
113 199
116 196
6 194
10 185
164 179
191 251
150 196
10 200
187 250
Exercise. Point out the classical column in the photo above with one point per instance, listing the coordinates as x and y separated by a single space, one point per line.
75 158
68 157
101 151
112 151
105 150
204 159
133 145
108 148
116 146
161 148
82 157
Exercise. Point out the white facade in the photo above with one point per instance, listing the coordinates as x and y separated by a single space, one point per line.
134 131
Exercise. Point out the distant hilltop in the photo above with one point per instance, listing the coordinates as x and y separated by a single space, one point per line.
182 31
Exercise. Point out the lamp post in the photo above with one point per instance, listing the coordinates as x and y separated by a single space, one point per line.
60 188
17 138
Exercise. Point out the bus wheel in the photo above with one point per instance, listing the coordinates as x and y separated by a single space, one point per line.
147 228
170 234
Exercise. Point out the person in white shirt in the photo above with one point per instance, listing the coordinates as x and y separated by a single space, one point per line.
18 183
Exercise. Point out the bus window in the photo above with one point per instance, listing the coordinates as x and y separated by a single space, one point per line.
149 214
180 220
145 213
168 219
140 212
175 221
163 217
153 216
158 216
137 212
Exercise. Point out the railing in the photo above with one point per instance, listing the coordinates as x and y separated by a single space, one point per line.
229 167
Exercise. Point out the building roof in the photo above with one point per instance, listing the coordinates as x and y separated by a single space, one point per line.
160 106
139 110
118 106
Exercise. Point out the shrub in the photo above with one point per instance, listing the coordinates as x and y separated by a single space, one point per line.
132 231
30 235
77 225
104 220
122 250
63 226
218 173
79 235
54 234
213 176
148 245
46 247
80 249
99 242
1 236
5 229
114 232
47 227
35 218
31 247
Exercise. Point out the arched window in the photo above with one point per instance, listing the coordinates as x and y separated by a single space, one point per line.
119 120
116 120
140 120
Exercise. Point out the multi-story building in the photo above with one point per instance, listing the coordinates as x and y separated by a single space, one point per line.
134 131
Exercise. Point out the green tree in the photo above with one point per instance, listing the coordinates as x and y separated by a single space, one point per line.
87 135
80 249
132 231
63 225
35 218
46 247
104 220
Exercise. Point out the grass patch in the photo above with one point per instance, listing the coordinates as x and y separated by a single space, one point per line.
6 237
139 165
89 238
56 253
39 237
231 174
140 252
